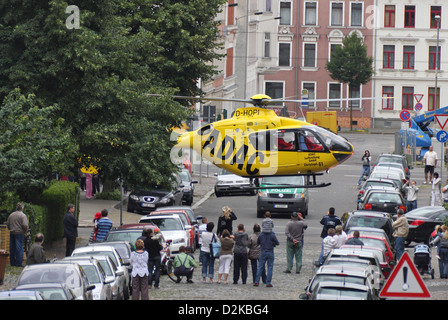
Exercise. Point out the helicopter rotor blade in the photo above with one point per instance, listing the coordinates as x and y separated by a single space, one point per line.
203 99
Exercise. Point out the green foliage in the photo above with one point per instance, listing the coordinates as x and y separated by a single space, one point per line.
55 199
99 75
33 144
37 219
350 63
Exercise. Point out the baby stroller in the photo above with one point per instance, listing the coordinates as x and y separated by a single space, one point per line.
422 259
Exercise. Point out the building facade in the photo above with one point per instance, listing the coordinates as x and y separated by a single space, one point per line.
281 47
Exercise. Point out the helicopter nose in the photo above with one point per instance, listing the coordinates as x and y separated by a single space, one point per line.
342 151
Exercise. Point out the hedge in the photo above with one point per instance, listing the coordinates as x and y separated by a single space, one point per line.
56 198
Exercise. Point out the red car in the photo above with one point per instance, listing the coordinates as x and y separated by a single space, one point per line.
379 242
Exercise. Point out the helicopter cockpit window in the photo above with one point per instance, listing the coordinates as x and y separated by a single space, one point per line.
206 129
332 141
286 140
308 141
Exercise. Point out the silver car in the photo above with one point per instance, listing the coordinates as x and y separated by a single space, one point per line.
113 254
227 182
70 274
96 276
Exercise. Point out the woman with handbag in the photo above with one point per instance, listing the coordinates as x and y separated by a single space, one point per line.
206 256
225 255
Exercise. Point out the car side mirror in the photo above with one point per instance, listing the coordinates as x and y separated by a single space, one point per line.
119 273
90 287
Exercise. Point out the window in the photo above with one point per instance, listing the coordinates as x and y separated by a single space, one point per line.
333 47
408 57
310 13
310 55
337 14
388 57
274 90
268 6
407 98
354 92
229 62
335 93
409 16
389 16
284 50
285 13
435 11
356 15
433 56
310 87
267 45
388 92
431 98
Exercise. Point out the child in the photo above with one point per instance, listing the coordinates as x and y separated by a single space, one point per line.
268 225
98 216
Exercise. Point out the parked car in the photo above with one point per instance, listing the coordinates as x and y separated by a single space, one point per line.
371 219
382 199
148 200
229 183
422 222
380 242
188 186
277 198
386 157
194 239
113 275
21 295
124 249
173 230
390 170
369 183
50 291
385 266
128 232
395 165
70 274
356 275
395 176
373 232
342 290
114 255
96 276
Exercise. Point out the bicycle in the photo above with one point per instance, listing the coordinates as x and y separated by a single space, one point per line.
166 263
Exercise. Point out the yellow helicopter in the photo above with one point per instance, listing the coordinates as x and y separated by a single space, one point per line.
256 142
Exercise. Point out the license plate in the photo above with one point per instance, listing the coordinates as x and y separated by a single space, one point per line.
280 206
148 205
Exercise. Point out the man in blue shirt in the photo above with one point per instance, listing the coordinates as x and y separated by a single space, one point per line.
104 225
267 242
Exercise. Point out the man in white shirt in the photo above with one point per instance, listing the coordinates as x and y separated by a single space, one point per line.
430 159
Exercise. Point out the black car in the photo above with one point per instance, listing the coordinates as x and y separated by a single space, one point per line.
188 184
383 200
371 219
422 222
145 201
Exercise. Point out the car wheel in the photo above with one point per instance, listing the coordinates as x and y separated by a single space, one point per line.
260 214
130 210
218 194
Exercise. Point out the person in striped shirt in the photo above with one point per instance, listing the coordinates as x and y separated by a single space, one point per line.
104 225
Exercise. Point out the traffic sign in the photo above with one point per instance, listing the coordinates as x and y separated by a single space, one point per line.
418 97
442 136
442 119
405 281
418 106
405 115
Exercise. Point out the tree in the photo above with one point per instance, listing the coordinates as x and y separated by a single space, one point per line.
33 145
99 75
350 64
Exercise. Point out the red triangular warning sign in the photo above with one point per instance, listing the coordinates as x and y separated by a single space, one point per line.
442 119
405 281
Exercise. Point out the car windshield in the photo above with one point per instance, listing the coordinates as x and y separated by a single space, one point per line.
167 224
93 253
367 221
335 277
131 236
384 198
374 243
53 293
53 275
390 159
343 292
350 263
378 184
290 180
